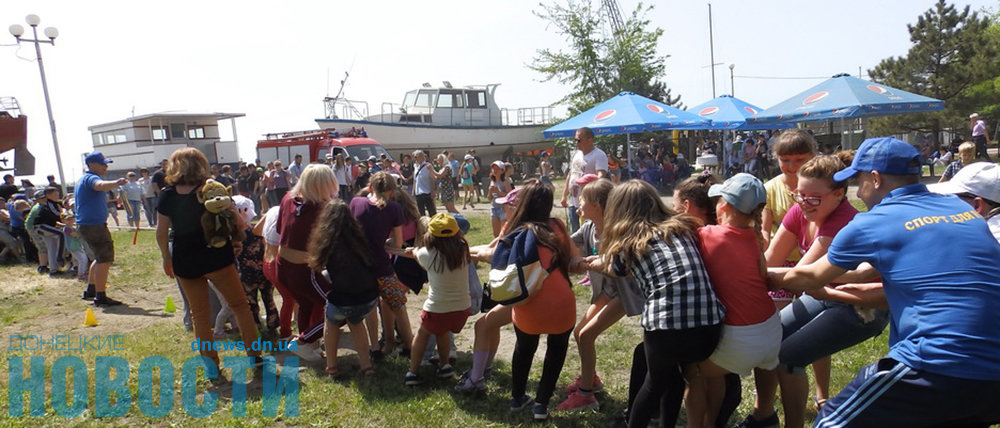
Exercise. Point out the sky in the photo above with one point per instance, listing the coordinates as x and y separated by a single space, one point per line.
275 61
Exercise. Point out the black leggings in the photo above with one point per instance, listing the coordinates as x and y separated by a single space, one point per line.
666 352
524 353
425 203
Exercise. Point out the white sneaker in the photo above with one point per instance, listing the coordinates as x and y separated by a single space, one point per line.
306 351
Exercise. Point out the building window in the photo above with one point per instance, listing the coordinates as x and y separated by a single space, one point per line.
159 133
177 130
196 133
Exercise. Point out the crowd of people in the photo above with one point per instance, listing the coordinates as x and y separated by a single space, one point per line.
738 277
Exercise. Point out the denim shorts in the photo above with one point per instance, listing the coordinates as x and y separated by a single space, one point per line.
352 314
813 329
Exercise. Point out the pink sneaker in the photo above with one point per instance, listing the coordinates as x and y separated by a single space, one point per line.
578 401
573 387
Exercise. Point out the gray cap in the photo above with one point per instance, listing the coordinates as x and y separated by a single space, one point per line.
743 191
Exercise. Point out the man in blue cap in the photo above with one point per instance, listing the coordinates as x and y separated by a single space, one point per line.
941 279
92 223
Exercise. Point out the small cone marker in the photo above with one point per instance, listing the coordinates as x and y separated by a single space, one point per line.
169 307
90 320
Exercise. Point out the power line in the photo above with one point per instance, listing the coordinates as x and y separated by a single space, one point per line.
784 77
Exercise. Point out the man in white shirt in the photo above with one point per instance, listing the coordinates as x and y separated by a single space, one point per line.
588 159
295 169
423 184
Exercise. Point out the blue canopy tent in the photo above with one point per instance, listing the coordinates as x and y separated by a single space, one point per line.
627 113
845 97
730 113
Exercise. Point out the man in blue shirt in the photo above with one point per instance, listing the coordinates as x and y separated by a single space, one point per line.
940 276
92 223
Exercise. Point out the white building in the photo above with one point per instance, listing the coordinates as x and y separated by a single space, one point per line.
143 141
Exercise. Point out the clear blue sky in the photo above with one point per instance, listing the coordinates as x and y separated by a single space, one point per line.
271 60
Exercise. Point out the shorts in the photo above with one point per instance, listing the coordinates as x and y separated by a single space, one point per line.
98 237
392 291
37 240
442 323
497 211
745 347
354 314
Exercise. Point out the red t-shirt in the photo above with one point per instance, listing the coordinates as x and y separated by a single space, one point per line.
732 259
839 218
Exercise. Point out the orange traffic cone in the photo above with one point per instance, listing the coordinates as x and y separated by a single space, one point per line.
90 320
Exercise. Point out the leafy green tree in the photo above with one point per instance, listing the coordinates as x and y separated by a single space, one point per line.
596 66
953 58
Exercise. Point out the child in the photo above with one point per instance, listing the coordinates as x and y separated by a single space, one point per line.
966 154
75 246
734 258
250 262
445 256
339 248
682 318
468 170
498 188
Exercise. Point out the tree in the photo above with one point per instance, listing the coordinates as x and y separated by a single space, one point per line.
596 66
952 58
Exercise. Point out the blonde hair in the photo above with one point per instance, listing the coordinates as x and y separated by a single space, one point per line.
382 183
635 215
423 224
967 149
794 142
187 166
317 184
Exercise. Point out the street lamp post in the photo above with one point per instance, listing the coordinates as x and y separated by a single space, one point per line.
17 31
732 86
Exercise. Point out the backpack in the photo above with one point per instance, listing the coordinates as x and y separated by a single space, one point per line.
516 271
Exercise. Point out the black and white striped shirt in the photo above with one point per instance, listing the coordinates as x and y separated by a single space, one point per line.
678 290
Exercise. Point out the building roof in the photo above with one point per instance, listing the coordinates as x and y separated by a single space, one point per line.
171 114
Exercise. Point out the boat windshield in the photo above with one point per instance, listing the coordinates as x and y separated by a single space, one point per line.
421 98
410 98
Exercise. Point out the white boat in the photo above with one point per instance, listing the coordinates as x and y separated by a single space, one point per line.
444 118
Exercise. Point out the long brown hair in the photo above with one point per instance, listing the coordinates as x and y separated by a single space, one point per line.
534 210
187 166
381 185
336 225
695 191
453 251
410 212
634 216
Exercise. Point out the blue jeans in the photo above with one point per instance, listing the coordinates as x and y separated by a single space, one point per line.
134 209
574 219
812 329
149 206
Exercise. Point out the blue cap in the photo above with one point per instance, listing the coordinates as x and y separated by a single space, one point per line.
743 191
886 155
463 223
97 157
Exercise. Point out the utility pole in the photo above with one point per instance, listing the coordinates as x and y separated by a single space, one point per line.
711 48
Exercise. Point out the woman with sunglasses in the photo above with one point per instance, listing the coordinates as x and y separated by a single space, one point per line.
814 326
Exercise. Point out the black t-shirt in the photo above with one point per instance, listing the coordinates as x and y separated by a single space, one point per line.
245 183
352 281
7 190
192 257
160 178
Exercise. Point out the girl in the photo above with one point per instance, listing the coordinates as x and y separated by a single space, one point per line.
691 198
498 188
267 228
445 183
251 266
468 171
734 258
337 247
813 329
382 218
606 304
682 316
341 173
193 262
296 220
445 256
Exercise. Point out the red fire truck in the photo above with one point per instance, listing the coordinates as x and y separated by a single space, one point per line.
316 144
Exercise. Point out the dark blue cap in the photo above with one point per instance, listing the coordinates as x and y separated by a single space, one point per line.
97 157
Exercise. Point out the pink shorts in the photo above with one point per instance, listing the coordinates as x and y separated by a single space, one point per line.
442 323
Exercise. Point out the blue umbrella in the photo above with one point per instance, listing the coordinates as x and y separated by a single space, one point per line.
730 113
627 113
844 97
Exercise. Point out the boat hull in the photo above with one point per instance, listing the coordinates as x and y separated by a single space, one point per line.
489 142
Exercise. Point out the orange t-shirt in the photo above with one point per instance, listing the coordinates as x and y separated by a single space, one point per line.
551 310
731 258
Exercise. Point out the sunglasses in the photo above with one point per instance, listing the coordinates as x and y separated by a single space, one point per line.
811 201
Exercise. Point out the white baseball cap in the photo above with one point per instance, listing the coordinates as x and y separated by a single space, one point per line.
981 179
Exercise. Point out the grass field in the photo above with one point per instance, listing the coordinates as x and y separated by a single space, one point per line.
30 304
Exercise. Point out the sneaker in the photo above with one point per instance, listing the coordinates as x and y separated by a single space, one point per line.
750 422
42 270
598 385
305 351
468 386
88 296
578 401
106 301
81 278
412 379
520 403
446 372
540 412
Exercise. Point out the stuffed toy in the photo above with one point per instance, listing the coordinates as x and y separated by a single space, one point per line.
219 221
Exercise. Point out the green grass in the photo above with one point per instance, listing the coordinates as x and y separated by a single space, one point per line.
348 401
